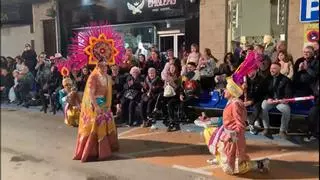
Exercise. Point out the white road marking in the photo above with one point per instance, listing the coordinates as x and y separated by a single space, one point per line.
133 154
139 135
128 131
258 158
198 171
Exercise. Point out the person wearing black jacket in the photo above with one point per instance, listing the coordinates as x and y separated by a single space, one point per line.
131 96
255 95
155 62
306 71
313 117
117 89
278 87
30 57
49 89
153 87
5 84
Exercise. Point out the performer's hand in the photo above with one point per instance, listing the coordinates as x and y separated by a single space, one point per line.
98 110
248 103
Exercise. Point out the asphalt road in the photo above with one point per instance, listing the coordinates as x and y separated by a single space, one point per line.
40 147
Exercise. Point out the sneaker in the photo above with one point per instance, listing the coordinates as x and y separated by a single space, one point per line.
263 165
212 161
266 133
252 130
257 124
309 139
153 127
283 135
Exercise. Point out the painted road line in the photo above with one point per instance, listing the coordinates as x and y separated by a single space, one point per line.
258 158
133 154
198 171
159 150
140 135
128 131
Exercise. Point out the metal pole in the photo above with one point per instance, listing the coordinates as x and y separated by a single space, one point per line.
57 22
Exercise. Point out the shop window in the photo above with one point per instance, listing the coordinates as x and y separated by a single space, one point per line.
250 20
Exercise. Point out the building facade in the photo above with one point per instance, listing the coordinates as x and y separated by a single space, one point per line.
247 21
170 24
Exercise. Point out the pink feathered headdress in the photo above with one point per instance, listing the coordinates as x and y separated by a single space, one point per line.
251 63
98 41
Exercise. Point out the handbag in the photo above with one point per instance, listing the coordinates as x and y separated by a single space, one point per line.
169 91
131 94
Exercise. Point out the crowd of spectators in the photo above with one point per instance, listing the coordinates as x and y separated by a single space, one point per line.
141 81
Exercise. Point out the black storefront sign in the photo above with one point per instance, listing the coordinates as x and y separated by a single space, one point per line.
74 14
123 11
148 10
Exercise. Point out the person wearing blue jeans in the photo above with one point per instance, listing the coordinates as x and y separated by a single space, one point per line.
278 87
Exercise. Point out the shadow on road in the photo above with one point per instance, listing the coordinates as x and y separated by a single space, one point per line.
287 170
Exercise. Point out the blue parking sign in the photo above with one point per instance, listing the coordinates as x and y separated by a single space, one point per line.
309 11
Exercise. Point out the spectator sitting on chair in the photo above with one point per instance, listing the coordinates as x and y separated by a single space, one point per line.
153 86
189 92
131 96
25 85
5 84
48 91
306 70
30 57
279 87
255 94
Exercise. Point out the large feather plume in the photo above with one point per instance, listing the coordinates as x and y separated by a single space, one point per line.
250 64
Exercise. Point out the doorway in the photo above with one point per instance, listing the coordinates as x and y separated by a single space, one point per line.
172 41
49 37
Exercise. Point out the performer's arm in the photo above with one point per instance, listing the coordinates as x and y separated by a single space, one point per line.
92 85
109 92
238 112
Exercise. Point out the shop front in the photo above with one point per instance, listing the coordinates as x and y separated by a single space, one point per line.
143 23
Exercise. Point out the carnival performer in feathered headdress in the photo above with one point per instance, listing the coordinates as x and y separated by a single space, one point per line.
227 142
69 99
97 134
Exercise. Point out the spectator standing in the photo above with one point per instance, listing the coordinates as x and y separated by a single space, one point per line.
206 67
43 69
155 62
30 57
194 55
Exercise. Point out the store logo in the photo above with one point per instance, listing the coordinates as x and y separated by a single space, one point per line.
160 3
136 7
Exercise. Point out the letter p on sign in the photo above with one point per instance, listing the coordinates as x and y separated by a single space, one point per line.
309 11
